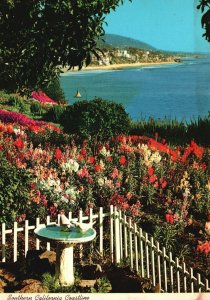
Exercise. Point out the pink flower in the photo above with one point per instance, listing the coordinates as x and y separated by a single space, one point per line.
114 173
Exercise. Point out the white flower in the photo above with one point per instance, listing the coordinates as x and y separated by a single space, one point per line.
105 152
101 181
72 193
70 166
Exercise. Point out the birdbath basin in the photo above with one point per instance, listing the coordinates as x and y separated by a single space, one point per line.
64 253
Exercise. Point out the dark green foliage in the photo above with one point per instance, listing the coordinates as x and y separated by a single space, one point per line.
38 38
199 129
36 108
173 131
54 113
14 191
49 138
204 6
54 90
98 120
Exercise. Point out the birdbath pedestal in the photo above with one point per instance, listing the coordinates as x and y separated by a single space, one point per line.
66 240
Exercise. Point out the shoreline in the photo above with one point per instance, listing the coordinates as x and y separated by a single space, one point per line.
121 66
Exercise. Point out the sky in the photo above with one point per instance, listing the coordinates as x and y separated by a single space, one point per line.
173 25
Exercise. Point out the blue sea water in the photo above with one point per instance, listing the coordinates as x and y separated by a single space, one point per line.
180 91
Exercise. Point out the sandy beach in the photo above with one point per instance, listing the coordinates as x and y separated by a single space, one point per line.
121 66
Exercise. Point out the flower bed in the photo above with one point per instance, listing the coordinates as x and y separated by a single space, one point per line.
42 98
168 188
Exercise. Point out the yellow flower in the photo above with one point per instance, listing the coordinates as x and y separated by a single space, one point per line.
208 185
198 196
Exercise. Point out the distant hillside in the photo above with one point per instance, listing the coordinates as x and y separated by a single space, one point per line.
115 40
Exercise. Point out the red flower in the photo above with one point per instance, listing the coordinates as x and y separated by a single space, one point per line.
150 171
171 219
58 153
156 184
167 217
152 178
97 168
122 160
19 143
83 151
164 184
10 129
83 172
91 160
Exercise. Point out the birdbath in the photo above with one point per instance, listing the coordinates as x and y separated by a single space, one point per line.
65 239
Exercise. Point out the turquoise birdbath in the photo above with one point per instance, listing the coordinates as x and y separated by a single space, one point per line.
64 253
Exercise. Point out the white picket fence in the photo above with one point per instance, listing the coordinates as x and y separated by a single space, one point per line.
126 242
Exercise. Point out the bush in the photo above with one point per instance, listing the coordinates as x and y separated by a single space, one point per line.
54 113
54 91
14 191
98 120
36 108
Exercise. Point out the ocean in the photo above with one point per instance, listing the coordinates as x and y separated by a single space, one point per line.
180 91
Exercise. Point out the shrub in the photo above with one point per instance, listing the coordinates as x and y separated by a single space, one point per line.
98 120
54 114
54 90
14 191
36 108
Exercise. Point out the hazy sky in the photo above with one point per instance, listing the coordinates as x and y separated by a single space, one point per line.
165 24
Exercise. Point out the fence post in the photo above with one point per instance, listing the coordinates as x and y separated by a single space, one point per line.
125 236
158 264
15 242
171 272
178 275
136 247
3 242
130 243
101 230
141 251
184 279
153 261
48 223
117 236
26 237
191 280
111 233
37 240
80 221
121 235
165 270
147 254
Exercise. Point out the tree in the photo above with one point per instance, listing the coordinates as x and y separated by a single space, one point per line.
204 6
39 37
